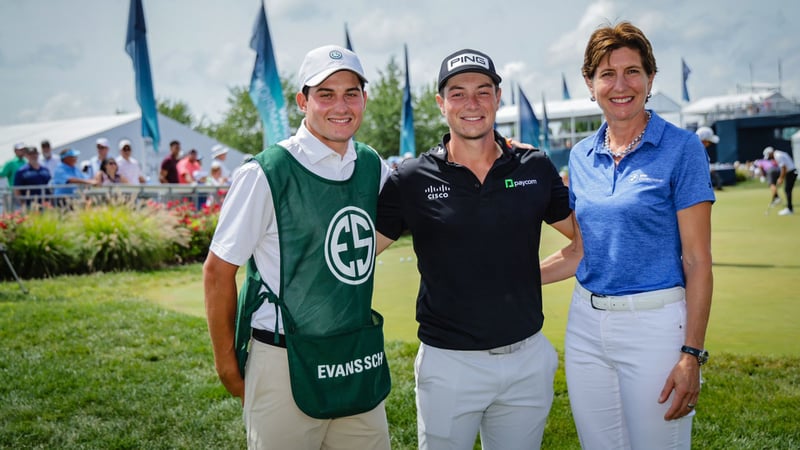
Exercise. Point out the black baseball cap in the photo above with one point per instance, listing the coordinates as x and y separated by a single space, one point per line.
467 60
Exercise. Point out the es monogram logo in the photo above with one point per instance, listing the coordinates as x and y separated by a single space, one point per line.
350 245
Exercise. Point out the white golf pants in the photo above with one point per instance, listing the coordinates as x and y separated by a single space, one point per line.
506 397
616 364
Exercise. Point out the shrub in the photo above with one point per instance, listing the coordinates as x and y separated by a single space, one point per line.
116 234
125 235
199 224
45 244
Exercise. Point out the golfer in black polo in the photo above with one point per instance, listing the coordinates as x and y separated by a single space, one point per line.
475 207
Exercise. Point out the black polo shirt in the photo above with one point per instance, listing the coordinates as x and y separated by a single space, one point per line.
477 244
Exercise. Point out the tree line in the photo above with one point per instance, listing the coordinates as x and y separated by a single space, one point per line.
240 126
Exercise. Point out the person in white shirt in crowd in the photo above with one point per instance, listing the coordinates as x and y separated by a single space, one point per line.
128 165
219 154
91 166
216 176
47 158
787 176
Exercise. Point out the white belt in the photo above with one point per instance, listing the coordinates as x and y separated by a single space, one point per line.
634 302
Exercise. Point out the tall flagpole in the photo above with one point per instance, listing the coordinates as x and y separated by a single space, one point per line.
266 91
347 43
407 143
136 48
528 123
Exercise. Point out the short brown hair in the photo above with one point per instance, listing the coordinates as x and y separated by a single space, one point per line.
608 38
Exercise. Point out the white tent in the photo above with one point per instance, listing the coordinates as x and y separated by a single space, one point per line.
708 110
564 115
81 134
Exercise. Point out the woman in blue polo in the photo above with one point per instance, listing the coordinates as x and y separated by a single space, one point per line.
642 195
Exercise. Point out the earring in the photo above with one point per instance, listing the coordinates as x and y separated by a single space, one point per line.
648 96
592 98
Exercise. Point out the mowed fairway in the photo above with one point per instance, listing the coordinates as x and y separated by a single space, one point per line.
756 281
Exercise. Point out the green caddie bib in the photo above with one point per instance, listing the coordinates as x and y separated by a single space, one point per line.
327 245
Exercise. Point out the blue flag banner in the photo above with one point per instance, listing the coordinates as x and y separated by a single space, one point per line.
407 144
136 48
528 124
564 89
265 84
545 129
347 43
686 72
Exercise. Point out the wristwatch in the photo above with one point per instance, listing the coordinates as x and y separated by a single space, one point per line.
701 355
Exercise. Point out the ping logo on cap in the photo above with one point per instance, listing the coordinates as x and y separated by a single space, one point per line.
468 59
335 54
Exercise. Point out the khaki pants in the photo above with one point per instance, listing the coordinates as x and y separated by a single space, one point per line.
273 420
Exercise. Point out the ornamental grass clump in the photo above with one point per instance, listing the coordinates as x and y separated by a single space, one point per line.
108 234
44 244
128 236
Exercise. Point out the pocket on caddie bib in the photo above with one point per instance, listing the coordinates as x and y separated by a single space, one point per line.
339 375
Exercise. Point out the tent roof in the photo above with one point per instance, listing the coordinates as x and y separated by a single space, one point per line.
60 132
581 107
708 105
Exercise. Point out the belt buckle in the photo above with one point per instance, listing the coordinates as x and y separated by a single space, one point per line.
500 350
591 301
506 349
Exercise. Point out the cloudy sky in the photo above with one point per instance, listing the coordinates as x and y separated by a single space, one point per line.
63 59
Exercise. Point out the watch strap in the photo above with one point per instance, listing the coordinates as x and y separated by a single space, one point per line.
700 354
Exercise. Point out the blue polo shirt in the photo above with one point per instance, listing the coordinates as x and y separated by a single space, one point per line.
63 173
628 213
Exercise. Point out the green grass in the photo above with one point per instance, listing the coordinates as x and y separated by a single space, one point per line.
91 362
756 281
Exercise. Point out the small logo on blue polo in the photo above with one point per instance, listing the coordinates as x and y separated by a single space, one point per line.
644 178
335 54
511 183
437 192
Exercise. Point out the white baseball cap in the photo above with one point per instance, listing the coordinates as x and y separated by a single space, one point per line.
103 142
768 151
322 62
707 134
218 150
125 142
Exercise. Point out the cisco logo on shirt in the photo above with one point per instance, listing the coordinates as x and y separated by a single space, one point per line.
437 192
350 245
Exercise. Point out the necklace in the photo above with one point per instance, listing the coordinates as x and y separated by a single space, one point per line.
632 146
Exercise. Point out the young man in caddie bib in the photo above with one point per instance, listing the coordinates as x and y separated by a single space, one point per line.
301 217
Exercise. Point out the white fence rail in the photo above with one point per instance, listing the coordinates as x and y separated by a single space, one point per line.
19 197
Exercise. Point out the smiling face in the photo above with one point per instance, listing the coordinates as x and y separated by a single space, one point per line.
334 109
620 84
469 102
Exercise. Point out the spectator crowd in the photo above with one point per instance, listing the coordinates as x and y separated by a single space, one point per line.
34 176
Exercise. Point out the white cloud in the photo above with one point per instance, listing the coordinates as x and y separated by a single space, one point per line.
200 48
